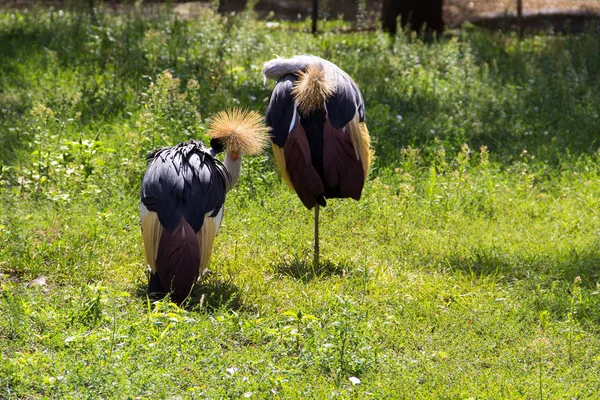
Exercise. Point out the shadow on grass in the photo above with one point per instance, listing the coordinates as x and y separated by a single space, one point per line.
564 284
213 294
563 266
479 261
210 294
303 269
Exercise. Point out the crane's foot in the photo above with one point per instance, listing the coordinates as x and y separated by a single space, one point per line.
155 288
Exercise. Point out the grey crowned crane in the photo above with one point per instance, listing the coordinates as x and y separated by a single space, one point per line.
320 140
182 198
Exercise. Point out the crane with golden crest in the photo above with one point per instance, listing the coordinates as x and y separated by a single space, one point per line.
320 140
182 197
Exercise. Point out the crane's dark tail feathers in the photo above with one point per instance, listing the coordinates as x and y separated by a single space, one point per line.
176 258
178 261
312 88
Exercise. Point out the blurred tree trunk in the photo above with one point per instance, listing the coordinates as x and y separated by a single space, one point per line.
226 6
413 13
315 16
92 10
520 17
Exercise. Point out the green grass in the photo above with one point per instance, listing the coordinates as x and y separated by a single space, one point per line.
463 272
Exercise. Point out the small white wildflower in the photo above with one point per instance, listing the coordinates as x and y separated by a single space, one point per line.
399 118
39 281
354 380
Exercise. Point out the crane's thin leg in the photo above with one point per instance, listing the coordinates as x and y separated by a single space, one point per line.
316 259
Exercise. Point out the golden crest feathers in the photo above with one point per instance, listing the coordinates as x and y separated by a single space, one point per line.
312 88
241 131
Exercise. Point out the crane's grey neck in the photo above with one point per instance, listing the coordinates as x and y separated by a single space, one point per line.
278 67
234 168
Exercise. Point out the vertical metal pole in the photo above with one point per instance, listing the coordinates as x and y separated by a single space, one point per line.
316 259
520 17
315 16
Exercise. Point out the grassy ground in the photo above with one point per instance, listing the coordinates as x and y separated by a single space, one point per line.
469 269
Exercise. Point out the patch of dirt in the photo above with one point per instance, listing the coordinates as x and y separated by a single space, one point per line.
456 12
459 11
8 274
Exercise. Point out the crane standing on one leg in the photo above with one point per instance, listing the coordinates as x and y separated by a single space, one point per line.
182 198
320 140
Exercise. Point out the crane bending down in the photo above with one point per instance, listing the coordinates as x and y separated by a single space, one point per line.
182 198
320 140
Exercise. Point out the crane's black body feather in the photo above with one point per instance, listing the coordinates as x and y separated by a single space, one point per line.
184 181
344 104
281 110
